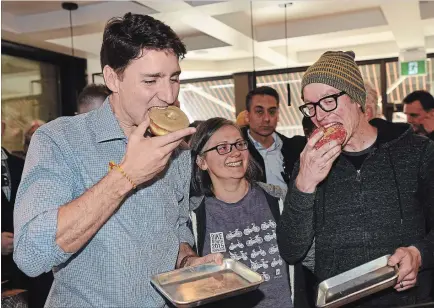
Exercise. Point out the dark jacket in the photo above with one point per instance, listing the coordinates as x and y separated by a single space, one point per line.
357 217
9 269
291 149
38 287
303 277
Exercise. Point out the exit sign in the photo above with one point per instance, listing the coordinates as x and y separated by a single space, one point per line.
413 68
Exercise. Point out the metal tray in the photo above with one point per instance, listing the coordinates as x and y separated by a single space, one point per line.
206 283
356 283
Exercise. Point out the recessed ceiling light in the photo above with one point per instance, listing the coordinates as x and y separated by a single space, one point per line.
201 52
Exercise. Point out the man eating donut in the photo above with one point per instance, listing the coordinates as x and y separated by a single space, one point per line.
101 205
365 193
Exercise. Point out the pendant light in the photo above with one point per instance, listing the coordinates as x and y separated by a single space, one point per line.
253 82
70 6
288 86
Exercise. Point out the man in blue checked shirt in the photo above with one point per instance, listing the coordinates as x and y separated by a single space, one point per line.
103 238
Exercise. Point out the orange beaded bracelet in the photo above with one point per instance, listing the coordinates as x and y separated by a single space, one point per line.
113 165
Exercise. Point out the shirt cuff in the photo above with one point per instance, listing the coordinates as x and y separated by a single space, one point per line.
301 199
59 256
185 235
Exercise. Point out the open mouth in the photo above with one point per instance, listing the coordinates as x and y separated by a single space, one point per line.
331 124
235 164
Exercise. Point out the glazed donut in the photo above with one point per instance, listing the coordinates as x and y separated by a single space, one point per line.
334 131
167 120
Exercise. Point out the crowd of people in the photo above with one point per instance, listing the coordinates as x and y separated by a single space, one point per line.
100 207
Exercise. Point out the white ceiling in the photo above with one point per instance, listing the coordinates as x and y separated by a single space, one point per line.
218 33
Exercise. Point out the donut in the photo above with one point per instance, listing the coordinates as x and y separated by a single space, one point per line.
335 131
167 120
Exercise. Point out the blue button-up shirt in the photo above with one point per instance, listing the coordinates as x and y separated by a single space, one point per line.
68 156
273 160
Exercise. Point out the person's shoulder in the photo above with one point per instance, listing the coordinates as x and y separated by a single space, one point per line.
182 156
65 128
181 162
58 125
272 190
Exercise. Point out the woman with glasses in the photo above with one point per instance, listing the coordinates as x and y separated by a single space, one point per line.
235 215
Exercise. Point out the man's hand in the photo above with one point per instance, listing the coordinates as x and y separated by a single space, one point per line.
409 262
212 257
315 164
147 157
7 243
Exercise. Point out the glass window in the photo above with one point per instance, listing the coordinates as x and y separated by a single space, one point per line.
290 116
371 74
206 99
30 93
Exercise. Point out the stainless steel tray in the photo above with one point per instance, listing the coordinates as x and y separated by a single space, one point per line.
356 283
206 283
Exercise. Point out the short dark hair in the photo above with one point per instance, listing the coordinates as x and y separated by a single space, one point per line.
261 91
125 38
200 180
91 92
424 97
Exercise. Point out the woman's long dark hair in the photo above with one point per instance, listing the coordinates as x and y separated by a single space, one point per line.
200 180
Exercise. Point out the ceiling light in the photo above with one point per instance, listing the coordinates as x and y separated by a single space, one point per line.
285 5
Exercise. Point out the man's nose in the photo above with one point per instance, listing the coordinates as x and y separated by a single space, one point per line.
266 117
166 93
320 114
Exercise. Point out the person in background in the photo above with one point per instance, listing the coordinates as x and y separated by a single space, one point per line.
419 108
29 133
241 119
235 215
275 153
11 168
92 97
100 204
371 111
370 196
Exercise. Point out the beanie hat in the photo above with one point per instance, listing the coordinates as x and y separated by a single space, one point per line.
338 70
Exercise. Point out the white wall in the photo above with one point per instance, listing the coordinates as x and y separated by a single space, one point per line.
93 66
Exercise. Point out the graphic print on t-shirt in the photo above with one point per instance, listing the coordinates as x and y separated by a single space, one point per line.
253 245
217 242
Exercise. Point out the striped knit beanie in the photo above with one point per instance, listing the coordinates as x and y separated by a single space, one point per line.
338 70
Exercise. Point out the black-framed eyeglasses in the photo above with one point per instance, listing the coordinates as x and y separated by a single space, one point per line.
327 103
225 148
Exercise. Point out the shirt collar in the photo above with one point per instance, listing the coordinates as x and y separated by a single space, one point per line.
4 155
104 123
277 144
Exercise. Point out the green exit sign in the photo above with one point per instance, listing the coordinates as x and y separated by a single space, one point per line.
413 68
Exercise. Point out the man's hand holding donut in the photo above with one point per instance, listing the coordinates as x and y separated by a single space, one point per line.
147 157
315 164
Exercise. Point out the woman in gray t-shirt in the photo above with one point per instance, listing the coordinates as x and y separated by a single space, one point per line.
235 215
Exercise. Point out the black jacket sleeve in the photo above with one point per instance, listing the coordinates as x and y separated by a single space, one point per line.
426 186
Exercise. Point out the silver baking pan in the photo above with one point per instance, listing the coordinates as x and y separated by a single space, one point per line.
356 283
206 283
